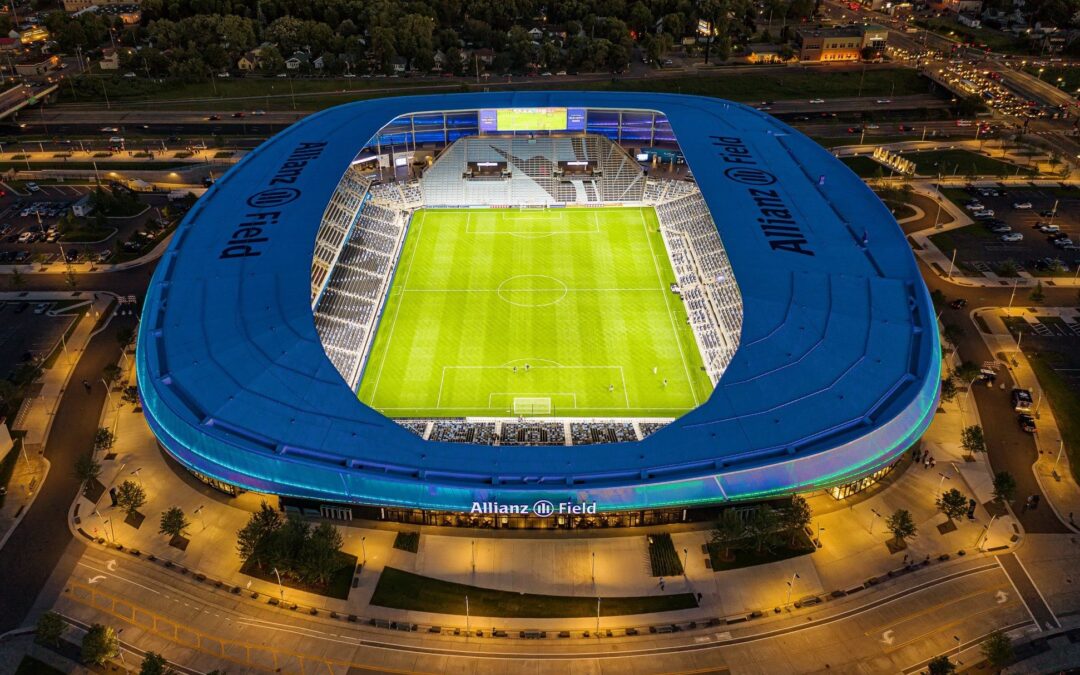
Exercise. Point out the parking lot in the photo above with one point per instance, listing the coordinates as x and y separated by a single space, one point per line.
30 230
28 332
984 247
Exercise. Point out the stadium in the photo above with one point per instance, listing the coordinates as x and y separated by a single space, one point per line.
537 309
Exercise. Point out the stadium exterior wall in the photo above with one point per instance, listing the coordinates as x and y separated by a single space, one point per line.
838 371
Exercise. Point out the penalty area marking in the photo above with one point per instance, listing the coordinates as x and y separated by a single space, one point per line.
522 394
562 217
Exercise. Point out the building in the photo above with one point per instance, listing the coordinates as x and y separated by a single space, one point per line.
841 43
84 206
79 5
819 338
764 53
37 64
31 34
248 62
110 59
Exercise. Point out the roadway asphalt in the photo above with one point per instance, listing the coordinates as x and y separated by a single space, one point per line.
36 546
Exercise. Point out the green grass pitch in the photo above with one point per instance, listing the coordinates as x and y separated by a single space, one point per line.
557 312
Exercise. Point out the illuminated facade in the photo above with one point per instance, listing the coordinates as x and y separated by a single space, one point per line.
836 371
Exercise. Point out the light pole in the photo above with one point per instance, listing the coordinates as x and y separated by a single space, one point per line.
984 538
594 567
197 512
874 519
958 646
105 522
685 556
1011 296
941 482
1061 447
474 556
363 546
790 586
598 616
281 589
467 629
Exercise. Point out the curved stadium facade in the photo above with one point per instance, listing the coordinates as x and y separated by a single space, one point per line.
503 299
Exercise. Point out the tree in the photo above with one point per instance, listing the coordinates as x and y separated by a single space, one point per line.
50 628
998 649
938 298
253 538
174 522
948 389
130 496
797 517
125 336
763 527
952 333
954 504
1004 486
130 395
17 280
110 373
103 439
940 665
902 526
972 440
966 372
1037 294
319 557
99 645
71 280
86 468
154 664
729 528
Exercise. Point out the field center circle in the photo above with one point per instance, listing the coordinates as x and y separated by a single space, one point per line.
532 290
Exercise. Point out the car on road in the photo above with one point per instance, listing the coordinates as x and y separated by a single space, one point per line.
883 101
1021 400
213 118
1000 229
33 187
905 127
872 126
238 115
817 100
1027 423
109 130
258 113
1012 236
41 307
1021 205
1048 213
958 303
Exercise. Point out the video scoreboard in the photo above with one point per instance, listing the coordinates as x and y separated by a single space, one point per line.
532 119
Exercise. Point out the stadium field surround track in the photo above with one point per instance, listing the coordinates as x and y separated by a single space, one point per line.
534 312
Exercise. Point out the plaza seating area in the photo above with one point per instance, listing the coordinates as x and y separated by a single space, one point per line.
703 273
460 431
533 433
611 432
347 307
533 175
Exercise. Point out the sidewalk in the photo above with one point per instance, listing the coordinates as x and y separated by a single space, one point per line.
1052 470
853 536
36 416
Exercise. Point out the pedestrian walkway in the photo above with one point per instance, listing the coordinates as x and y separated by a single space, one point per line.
1051 469
35 418
853 535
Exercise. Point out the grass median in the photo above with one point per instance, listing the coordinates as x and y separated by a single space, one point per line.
398 589
1064 401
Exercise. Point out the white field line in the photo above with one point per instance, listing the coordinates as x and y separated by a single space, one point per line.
671 313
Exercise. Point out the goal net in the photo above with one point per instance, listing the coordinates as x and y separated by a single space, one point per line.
532 406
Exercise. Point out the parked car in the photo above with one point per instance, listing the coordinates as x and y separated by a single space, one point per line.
1021 205
1000 229
1048 213
959 303
33 187
1027 423
41 307
1021 400
1012 236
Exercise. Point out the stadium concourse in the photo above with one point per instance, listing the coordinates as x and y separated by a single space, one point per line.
713 304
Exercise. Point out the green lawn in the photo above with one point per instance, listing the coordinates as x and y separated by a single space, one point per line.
1065 402
403 590
962 163
866 167
534 312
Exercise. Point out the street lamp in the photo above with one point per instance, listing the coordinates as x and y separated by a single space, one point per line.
281 589
791 585
363 546
941 482
874 519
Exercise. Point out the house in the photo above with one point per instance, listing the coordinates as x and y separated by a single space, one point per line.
398 64
297 61
840 43
486 55
962 6
9 44
763 53
77 5
318 63
248 62
110 59
968 20
83 207
37 64
536 34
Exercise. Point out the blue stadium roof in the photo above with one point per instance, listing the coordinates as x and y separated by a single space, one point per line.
837 372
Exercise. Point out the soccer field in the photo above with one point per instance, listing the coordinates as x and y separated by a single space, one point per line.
557 312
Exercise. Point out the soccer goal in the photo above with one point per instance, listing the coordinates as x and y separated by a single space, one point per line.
532 406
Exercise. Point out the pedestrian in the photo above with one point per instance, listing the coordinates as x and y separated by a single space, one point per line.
86 385
926 461
933 462
515 369
665 381
661 583
654 370
610 388
699 598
